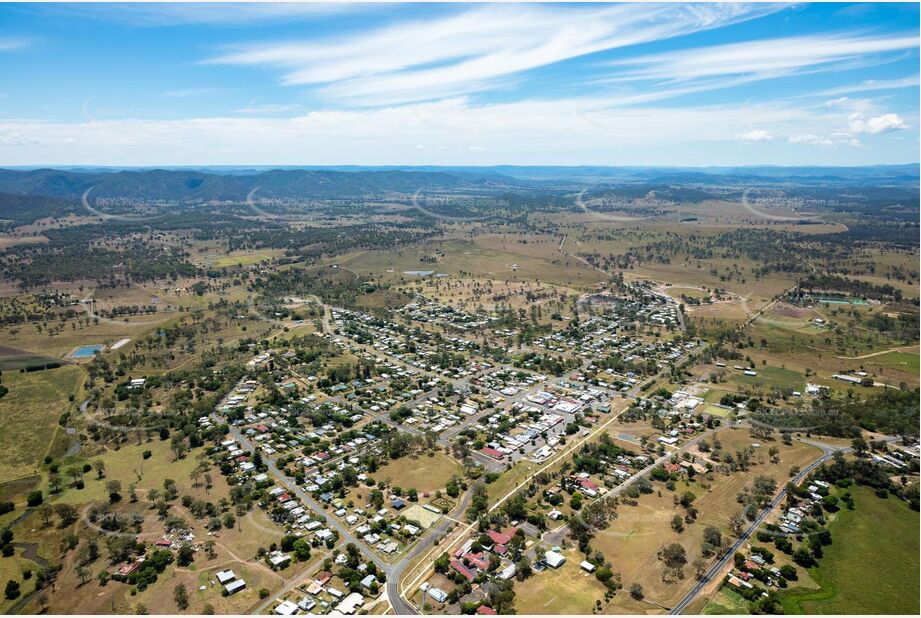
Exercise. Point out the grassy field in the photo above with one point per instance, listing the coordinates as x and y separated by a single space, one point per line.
29 416
769 378
425 474
241 258
901 361
465 259
566 590
126 465
879 532
725 602
632 540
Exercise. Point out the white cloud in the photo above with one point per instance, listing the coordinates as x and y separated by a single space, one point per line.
810 139
528 132
764 58
588 130
870 85
268 108
755 135
876 125
474 49
829 141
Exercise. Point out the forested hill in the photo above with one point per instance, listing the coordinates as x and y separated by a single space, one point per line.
198 186
344 183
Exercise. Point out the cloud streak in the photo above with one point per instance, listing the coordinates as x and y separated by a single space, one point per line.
474 50
763 58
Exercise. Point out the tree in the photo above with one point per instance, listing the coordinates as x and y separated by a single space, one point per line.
576 501
185 555
803 557
114 488
100 467
83 573
34 498
674 557
678 523
737 524
636 591
603 574
713 541
12 589
301 549
181 595
700 567
860 446
46 511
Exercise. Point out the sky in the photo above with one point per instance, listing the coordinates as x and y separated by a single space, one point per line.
459 84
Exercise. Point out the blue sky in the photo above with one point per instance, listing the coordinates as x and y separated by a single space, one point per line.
459 84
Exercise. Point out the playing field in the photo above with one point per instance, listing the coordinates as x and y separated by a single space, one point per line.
881 535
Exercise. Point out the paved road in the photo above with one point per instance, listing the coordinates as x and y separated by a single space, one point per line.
400 606
395 571
555 537
718 567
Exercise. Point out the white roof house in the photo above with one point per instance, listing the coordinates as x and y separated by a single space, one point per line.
234 586
438 594
554 559
225 576
351 603
285 608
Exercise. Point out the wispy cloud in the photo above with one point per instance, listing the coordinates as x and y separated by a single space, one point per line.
474 49
11 44
763 58
870 85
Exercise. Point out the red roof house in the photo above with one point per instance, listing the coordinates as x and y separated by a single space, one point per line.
479 560
491 452
458 566
498 537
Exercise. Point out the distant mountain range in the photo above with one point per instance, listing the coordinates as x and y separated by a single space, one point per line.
235 183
